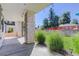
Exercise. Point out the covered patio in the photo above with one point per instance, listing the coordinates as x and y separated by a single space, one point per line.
22 43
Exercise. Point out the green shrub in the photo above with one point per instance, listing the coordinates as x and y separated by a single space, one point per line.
54 41
40 37
76 43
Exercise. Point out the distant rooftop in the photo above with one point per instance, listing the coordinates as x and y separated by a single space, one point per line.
68 25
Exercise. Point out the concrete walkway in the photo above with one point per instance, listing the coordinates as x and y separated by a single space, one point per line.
43 51
13 47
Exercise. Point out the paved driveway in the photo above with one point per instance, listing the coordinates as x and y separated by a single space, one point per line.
12 47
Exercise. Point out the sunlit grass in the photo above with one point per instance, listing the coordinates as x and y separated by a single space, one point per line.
76 43
68 43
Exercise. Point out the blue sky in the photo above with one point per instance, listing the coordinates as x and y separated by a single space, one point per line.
59 9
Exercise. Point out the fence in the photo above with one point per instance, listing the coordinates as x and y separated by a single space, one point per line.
65 28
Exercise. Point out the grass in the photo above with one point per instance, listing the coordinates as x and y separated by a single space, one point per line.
76 43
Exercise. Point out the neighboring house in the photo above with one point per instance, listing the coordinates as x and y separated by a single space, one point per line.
66 27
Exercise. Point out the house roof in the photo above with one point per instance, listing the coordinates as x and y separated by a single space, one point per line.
68 25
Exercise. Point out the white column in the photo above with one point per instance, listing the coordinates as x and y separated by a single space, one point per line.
18 28
29 27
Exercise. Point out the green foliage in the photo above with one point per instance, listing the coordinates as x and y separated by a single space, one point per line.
56 21
72 43
10 30
66 18
40 38
51 14
76 43
45 23
54 41
53 19
68 43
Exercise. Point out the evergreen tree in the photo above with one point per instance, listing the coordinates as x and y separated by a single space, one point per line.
51 18
66 18
45 23
56 21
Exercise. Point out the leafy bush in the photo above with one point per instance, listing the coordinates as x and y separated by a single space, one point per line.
40 37
54 41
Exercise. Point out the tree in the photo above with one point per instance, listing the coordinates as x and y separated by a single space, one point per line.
56 21
75 21
45 23
60 20
51 17
66 18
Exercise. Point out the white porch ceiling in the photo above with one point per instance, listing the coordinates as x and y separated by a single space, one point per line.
15 12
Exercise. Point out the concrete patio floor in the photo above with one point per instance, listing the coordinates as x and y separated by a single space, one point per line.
12 47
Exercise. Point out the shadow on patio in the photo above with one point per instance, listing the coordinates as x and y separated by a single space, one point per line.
12 47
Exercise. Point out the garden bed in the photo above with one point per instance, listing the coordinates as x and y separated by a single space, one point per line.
55 41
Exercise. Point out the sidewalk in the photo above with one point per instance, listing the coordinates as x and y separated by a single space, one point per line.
43 51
